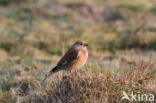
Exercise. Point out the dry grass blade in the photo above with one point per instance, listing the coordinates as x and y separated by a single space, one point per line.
94 87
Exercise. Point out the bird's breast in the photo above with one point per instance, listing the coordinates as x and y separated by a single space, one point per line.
82 58
85 53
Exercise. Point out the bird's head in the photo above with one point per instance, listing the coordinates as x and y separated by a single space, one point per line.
80 45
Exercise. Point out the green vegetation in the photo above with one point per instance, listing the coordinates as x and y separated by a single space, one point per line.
34 34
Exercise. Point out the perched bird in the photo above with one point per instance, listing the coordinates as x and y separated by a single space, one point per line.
73 59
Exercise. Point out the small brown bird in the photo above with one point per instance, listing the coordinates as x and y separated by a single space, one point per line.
73 59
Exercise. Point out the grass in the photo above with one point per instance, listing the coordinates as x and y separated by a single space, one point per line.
34 36
90 87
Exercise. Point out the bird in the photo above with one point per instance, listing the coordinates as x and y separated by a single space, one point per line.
74 59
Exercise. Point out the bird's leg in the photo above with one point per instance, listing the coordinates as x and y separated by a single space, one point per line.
73 73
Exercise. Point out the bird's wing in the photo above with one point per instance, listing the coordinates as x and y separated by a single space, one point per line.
70 56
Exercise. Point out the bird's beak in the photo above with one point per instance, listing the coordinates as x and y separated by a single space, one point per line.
86 44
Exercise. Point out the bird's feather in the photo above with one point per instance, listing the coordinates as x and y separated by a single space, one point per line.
70 56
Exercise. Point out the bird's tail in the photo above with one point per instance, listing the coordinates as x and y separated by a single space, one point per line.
47 76
50 73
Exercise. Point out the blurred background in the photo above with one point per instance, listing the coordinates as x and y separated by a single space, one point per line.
34 34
